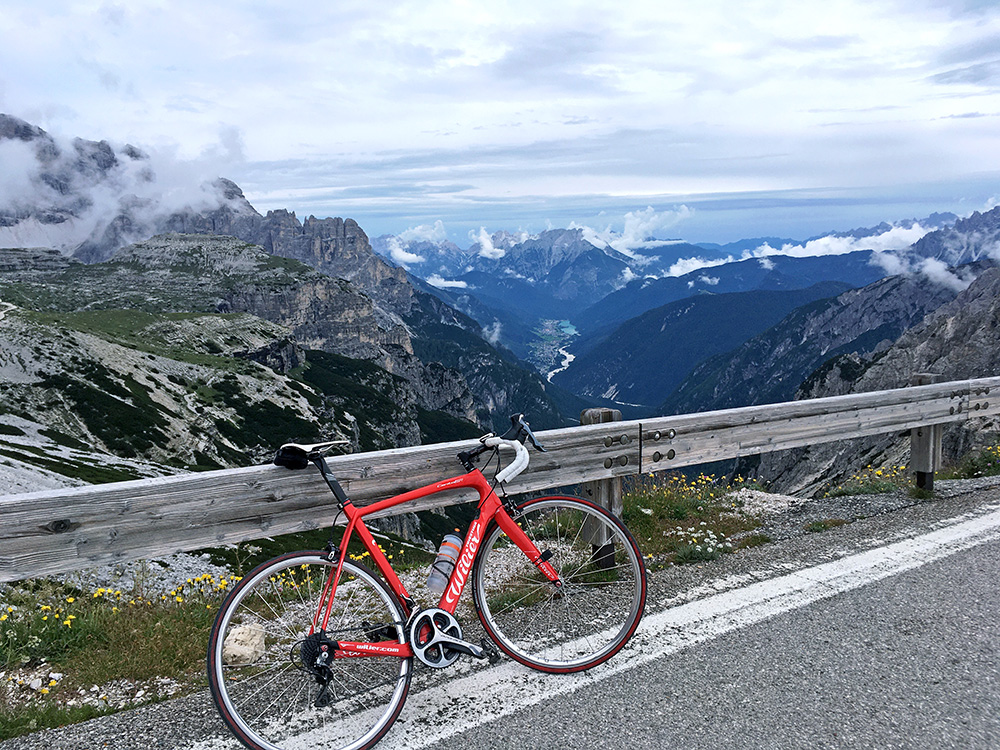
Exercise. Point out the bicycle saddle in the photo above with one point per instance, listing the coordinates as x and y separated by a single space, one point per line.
295 456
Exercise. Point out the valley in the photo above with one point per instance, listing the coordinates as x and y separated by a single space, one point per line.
549 353
187 337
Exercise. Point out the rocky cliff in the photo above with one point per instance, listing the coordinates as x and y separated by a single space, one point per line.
181 274
771 366
961 339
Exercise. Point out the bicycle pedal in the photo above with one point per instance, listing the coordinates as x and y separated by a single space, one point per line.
489 652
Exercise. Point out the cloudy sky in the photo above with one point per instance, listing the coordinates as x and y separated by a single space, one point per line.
715 120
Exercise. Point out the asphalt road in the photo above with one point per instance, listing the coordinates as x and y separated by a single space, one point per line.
880 633
908 662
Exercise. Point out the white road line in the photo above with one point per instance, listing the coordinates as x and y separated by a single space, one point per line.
6 307
445 710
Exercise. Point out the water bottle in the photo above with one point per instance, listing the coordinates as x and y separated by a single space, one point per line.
444 563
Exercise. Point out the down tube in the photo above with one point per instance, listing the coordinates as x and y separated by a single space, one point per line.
463 566
517 535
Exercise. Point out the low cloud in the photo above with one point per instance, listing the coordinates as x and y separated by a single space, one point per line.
425 233
486 248
934 269
640 227
90 184
684 266
938 272
628 275
884 243
492 333
440 282
895 238
400 255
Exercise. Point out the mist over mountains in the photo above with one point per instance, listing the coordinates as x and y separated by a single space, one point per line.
87 198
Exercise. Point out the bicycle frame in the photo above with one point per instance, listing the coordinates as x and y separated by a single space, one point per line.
491 508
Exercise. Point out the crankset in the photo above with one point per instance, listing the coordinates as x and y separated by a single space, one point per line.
436 639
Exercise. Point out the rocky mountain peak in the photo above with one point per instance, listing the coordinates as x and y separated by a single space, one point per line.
968 240
14 128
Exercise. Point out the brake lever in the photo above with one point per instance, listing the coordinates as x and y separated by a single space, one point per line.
534 441
521 430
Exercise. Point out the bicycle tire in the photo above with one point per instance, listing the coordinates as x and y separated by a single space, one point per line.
258 647
591 616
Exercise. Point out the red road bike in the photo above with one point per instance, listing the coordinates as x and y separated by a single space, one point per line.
315 649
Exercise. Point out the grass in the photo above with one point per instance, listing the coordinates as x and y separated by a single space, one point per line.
683 520
57 642
136 637
159 334
873 481
984 462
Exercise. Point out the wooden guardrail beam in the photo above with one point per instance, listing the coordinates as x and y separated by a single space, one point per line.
67 529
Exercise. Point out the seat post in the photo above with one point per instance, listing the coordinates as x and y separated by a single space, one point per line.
331 480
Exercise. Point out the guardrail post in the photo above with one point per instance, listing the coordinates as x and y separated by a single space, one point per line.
605 492
925 442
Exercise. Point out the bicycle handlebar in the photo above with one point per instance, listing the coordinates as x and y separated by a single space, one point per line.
513 439
297 456
515 467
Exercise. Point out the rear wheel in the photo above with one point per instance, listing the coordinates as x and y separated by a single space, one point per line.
590 616
268 676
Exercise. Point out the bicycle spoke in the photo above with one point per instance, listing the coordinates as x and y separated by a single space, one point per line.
272 697
586 619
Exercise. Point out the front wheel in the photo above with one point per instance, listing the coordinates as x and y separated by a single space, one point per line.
589 617
276 683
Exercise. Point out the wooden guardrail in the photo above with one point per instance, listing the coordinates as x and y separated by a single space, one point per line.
57 531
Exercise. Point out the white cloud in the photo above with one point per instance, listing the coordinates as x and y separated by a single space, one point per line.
934 269
892 263
486 248
685 266
401 255
146 186
639 227
442 283
492 333
425 232
19 166
709 280
939 272
895 238
884 244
